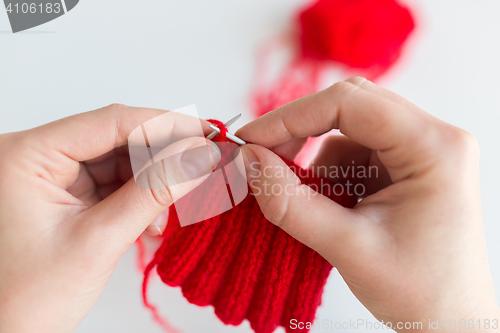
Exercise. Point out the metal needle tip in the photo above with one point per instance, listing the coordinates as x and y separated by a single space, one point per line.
227 124
232 120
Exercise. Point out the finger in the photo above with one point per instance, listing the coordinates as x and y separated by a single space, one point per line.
108 176
96 181
159 224
290 149
114 169
126 213
341 159
342 152
105 191
404 140
118 151
367 85
311 218
88 135
84 188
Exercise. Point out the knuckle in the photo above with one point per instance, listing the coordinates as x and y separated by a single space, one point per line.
158 186
275 210
347 87
456 157
469 142
116 107
162 197
357 80
461 143
342 87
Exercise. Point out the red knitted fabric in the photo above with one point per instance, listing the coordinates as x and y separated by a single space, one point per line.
241 264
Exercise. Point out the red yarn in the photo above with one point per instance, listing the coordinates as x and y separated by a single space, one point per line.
241 264
358 33
365 35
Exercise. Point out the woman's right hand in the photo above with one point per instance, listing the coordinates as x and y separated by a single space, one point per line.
413 250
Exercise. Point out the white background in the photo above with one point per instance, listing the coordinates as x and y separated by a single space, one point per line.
167 54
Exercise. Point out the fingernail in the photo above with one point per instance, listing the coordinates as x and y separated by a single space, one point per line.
154 229
215 154
158 223
198 161
252 163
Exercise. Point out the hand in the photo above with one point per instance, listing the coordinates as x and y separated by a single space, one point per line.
69 210
411 250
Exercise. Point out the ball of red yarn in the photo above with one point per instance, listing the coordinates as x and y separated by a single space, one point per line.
358 33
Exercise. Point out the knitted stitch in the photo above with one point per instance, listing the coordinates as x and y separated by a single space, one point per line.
240 263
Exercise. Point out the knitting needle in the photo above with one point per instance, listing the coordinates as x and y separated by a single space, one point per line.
227 124
235 139
232 121
228 135
216 131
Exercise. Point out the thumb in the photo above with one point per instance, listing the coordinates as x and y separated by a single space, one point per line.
303 213
125 214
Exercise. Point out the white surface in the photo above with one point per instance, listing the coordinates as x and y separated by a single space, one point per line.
167 54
